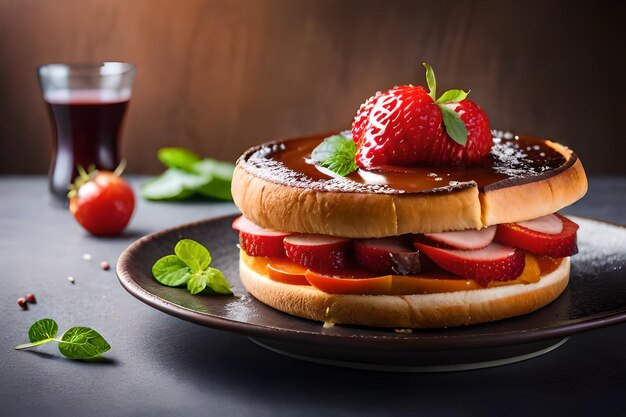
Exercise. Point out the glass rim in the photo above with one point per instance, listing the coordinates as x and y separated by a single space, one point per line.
125 67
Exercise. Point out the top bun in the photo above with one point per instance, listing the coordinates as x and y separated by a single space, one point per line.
276 189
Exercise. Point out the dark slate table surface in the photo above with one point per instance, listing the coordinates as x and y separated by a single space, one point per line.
160 365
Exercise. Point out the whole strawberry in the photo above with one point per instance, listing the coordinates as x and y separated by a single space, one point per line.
408 126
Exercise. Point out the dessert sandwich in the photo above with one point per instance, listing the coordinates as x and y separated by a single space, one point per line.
421 216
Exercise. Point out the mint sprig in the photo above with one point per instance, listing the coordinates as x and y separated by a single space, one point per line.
76 343
455 127
189 175
190 266
336 153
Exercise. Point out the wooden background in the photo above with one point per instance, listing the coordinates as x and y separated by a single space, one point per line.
220 76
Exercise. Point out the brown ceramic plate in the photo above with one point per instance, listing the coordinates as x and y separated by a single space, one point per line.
595 297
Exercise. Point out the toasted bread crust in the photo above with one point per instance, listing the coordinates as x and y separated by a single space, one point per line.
535 199
408 311
363 215
355 215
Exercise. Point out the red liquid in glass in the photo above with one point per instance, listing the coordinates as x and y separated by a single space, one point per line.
86 128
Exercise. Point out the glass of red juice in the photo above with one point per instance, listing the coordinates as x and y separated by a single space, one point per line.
86 104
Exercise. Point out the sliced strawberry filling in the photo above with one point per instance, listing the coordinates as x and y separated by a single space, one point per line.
494 262
435 262
388 255
359 282
465 239
538 237
321 253
257 241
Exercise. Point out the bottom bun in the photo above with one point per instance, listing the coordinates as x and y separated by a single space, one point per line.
407 311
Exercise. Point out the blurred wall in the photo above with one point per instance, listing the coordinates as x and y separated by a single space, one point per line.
220 76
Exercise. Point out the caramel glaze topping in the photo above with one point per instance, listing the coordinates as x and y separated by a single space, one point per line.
513 160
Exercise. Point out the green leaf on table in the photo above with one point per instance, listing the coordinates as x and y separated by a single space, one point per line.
220 169
216 188
221 174
170 270
336 153
76 343
82 343
189 175
193 254
41 332
173 185
180 158
43 329
454 125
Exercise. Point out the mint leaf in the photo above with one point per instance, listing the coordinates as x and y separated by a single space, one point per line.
215 168
193 254
174 185
336 153
187 176
82 343
190 265
180 158
217 281
340 164
454 125
208 177
329 147
43 329
452 96
431 81
216 188
76 343
221 174
197 282
170 270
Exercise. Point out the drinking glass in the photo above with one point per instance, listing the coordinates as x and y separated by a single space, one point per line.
86 104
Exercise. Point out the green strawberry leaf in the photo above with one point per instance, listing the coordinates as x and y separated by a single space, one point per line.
431 81
452 96
454 125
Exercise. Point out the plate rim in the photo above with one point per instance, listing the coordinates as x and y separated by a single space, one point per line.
392 340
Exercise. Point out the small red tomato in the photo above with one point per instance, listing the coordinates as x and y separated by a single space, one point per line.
102 203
